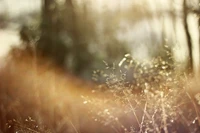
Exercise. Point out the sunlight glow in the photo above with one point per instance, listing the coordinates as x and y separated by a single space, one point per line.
23 6
7 39
112 5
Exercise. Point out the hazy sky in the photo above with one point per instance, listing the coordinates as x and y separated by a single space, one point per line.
138 33
16 7
8 38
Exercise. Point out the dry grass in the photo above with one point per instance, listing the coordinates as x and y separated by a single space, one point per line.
38 97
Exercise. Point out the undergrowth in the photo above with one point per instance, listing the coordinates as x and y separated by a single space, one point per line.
133 97
153 97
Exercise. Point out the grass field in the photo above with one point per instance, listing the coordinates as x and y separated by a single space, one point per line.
39 98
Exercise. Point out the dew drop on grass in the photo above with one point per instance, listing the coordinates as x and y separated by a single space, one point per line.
164 67
194 121
106 110
85 102
161 94
163 62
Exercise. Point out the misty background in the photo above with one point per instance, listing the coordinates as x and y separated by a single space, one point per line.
78 35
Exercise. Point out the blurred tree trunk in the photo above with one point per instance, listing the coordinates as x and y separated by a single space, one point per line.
50 44
199 35
188 37
47 24
174 18
71 28
77 30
